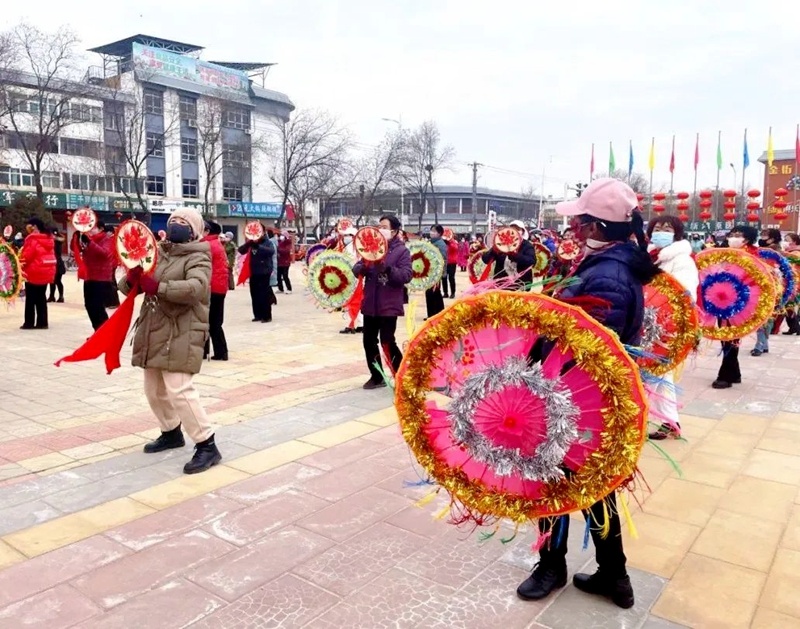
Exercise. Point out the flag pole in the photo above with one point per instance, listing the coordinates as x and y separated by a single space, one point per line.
719 169
672 170
796 169
769 165
747 162
694 192
651 164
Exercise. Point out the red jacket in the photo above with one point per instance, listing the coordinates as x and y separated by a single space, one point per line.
219 265
99 258
452 252
38 257
285 250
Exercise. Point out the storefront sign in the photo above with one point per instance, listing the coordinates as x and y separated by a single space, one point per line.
97 202
52 201
255 210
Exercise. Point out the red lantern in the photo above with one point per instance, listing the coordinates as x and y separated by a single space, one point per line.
754 194
781 192
682 195
658 208
780 204
729 205
639 196
729 216
684 218
683 206
705 215
752 218
659 196
706 194
729 194
706 203
753 206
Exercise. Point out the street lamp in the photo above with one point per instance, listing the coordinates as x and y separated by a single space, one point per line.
429 169
399 124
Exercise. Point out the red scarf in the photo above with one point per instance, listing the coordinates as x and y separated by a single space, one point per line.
244 274
354 305
77 253
108 338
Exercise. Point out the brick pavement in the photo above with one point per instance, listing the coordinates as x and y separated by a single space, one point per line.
308 522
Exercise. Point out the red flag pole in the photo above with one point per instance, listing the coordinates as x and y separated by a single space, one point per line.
591 165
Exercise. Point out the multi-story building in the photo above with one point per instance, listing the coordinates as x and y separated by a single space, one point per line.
152 128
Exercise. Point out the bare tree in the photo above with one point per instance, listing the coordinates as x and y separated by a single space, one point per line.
637 181
380 170
36 92
310 140
423 157
210 152
335 182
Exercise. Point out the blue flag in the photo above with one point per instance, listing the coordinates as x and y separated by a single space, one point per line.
630 158
746 157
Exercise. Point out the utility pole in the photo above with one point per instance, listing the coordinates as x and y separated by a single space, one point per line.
475 198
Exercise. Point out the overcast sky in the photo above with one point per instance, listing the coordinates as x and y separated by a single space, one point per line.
510 84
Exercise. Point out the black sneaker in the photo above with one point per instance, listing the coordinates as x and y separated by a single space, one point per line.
371 384
347 331
620 590
721 384
664 432
205 457
166 441
219 357
543 581
756 352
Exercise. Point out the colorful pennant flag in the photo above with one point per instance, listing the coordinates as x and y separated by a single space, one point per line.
612 163
651 162
630 157
746 153
719 151
672 157
770 149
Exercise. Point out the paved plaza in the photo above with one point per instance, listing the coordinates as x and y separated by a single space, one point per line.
311 521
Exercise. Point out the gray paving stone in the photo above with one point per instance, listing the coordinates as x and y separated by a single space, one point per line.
710 410
268 437
111 488
25 515
573 609
520 555
334 417
752 405
28 490
124 463
368 400
654 622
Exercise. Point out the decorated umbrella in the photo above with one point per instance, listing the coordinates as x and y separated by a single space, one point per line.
10 272
783 269
137 249
427 265
370 244
671 328
478 270
542 259
331 280
521 407
313 251
737 293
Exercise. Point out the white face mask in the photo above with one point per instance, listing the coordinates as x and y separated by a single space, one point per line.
348 240
736 242
784 245
593 246
387 233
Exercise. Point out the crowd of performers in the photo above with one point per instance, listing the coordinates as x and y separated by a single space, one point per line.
603 264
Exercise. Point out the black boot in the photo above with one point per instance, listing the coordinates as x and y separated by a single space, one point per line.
166 441
543 580
205 456
618 590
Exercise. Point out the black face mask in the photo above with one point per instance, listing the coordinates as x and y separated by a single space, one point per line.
178 233
763 242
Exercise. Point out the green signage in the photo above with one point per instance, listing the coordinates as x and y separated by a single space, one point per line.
52 200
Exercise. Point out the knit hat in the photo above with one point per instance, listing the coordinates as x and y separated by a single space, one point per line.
229 235
214 229
193 218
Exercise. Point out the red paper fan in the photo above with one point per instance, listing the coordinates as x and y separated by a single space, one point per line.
343 225
520 406
136 245
478 270
448 234
568 250
371 244
506 240
84 220
671 328
253 231
8 231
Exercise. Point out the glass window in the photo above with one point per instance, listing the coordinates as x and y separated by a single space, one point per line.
188 107
113 121
237 118
190 188
235 158
5 176
82 112
155 186
81 148
153 102
155 144
51 179
231 192
188 150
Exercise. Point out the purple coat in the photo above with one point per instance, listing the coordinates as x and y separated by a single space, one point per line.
384 282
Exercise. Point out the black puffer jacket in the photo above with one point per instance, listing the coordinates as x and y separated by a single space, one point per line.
261 253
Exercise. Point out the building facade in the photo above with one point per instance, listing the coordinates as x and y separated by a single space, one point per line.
152 128
783 173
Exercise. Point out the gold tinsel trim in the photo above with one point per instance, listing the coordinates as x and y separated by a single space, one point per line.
596 350
761 275
687 326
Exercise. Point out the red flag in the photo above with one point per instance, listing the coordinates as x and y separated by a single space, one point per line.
672 157
108 338
244 274
696 152
591 165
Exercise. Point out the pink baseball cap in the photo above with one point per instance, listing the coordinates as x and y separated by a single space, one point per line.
606 198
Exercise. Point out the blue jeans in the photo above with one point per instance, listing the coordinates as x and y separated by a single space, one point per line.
762 336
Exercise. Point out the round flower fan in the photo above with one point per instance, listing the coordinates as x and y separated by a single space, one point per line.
371 244
568 250
136 245
671 328
520 406
331 279
10 272
8 231
737 293
448 234
542 259
506 240
782 267
313 251
253 231
427 265
478 270
343 225
84 220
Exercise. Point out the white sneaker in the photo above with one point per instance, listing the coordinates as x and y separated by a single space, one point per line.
288 292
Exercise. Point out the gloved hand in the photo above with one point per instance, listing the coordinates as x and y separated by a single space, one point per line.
148 285
84 239
134 275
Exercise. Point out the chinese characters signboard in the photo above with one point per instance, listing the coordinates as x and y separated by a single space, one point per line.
255 210
52 201
781 175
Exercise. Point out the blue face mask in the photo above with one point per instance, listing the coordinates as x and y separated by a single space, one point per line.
662 239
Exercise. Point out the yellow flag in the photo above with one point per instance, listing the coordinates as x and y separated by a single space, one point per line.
770 149
652 160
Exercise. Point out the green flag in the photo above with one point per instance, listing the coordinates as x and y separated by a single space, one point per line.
612 163
719 151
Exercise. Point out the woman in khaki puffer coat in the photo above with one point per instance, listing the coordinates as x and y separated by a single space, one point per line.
170 336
